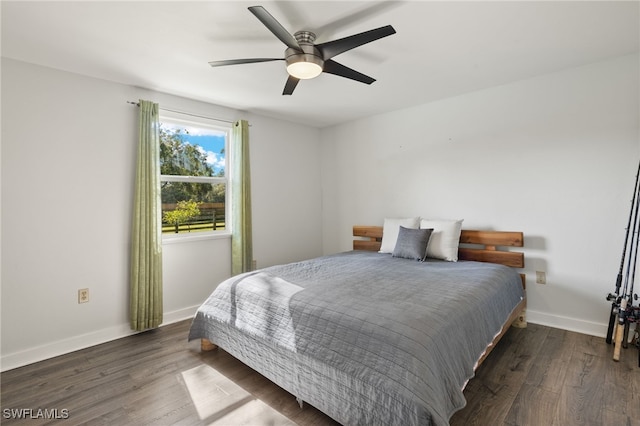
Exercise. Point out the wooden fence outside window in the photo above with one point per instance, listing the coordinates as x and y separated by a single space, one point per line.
212 217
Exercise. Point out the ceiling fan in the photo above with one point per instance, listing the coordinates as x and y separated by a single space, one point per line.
306 60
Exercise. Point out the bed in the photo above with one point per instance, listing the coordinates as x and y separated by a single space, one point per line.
369 338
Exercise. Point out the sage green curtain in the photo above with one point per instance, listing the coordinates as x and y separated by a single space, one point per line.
241 234
146 238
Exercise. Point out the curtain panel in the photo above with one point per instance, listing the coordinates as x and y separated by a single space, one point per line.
241 233
146 239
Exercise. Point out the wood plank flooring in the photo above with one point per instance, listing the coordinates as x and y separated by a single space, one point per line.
535 376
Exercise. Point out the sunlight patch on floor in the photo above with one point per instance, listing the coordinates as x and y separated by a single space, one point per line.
219 401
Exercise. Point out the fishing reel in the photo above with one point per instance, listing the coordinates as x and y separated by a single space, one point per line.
617 299
633 315
615 308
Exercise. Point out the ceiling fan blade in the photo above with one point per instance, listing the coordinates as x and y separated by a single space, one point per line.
242 61
274 26
290 85
332 67
336 47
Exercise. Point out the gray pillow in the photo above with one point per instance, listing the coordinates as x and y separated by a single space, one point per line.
412 243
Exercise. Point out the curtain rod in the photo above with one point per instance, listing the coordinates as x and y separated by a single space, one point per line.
185 113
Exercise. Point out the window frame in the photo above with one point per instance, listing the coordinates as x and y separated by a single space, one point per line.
178 120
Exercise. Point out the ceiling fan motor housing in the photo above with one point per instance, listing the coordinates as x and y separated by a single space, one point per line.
306 57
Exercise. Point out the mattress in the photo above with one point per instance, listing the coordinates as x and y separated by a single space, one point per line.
366 338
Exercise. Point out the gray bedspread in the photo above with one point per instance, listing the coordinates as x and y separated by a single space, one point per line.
366 338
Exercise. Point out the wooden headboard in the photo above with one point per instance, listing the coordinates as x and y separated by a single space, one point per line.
480 246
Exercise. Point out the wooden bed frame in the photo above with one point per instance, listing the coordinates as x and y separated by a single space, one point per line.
480 246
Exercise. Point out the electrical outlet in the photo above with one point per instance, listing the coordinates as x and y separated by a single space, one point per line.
83 295
541 277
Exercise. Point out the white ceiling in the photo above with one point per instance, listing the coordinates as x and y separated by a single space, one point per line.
441 49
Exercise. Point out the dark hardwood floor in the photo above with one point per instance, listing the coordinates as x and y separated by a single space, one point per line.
535 376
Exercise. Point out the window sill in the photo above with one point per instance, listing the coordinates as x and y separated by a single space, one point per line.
184 238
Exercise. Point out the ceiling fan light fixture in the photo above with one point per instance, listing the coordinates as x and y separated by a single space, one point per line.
304 70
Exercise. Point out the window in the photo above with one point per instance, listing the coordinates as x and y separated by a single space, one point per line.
193 178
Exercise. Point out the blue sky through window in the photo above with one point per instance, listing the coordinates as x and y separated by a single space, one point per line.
210 141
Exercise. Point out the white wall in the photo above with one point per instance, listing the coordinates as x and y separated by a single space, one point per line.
286 191
554 156
68 158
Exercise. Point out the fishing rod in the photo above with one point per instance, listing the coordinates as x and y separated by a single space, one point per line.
615 298
626 298
631 314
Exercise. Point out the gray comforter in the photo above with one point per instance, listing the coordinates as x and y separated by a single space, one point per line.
364 337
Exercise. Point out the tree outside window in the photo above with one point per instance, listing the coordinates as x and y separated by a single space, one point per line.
193 177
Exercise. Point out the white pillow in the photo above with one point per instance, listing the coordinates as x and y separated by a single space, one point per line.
390 231
445 238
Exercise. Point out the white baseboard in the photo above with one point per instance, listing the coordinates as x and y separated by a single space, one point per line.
75 343
72 344
570 324
179 315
